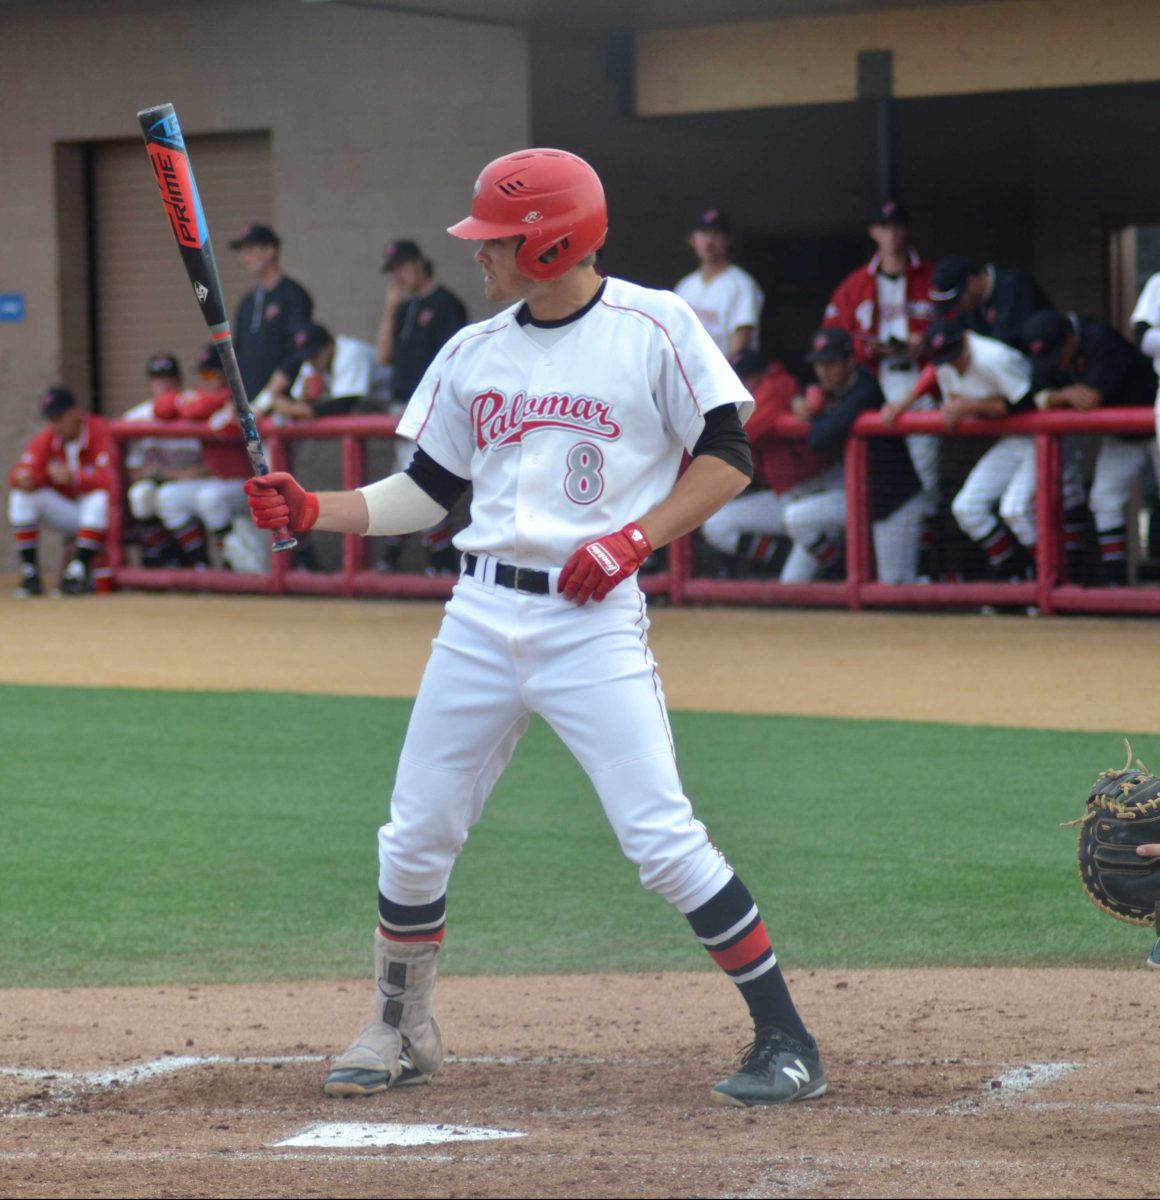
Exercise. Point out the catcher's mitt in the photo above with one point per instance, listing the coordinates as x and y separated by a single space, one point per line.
1123 812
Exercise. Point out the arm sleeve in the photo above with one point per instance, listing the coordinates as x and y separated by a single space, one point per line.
440 484
398 505
724 438
1150 342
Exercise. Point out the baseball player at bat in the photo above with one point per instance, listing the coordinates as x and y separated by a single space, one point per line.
568 414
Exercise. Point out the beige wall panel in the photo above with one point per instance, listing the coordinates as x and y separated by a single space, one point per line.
144 299
938 51
378 124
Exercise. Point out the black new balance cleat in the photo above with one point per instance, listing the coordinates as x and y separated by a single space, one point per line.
30 584
775 1069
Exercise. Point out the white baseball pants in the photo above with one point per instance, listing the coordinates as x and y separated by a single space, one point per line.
923 447
502 655
46 506
1118 463
824 514
180 500
1004 476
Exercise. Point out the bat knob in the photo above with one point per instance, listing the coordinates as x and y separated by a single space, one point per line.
285 543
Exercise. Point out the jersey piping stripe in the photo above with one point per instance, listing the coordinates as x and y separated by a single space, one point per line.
668 338
733 930
655 679
435 395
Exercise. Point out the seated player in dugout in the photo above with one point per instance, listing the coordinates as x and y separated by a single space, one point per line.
331 374
569 414
218 502
750 532
816 518
1084 364
61 481
153 462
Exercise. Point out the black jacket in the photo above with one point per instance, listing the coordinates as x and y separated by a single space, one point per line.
893 479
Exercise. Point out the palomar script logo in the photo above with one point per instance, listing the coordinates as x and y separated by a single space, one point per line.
500 422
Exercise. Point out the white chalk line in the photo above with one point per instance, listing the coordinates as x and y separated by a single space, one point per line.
1013 1083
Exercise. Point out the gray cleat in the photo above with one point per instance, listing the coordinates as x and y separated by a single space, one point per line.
775 1069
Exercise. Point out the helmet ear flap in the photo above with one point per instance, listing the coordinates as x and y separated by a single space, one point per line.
552 197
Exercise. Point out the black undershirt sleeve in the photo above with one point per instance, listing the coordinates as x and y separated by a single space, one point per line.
440 484
724 438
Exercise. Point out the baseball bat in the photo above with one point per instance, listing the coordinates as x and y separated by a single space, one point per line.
174 175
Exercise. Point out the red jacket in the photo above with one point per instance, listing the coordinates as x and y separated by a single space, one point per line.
854 306
779 462
90 459
224 460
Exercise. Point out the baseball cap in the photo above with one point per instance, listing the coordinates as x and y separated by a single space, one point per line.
713 218
748 362
55 402
400 252
162 364
829 345
1044 334
208 359
309 339
893 212
256 235
944 342
949 277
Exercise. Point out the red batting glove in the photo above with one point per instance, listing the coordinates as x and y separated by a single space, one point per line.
595 569
278 500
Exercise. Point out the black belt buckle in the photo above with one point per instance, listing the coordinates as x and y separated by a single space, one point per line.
526 580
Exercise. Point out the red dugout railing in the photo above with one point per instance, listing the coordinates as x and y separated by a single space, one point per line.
1050 592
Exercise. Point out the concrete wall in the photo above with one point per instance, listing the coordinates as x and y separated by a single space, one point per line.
378 122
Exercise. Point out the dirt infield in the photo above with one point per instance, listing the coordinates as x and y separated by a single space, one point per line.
948 1082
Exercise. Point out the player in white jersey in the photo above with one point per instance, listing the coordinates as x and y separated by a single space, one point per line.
1146 328
984 377
568 414
727 299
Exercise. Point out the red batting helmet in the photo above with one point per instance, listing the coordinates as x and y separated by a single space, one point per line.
550 198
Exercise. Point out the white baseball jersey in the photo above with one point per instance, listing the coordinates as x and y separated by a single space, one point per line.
725 303
566 441
1147 310
159 455
995 369
355 371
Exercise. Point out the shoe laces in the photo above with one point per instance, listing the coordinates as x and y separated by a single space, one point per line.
768 1042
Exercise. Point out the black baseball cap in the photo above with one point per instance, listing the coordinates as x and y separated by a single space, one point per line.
830 345
893 212
949 277
1045 334
748 362
309 339
943 342
713 218
400 252
208 359
55 402
162 365
256 235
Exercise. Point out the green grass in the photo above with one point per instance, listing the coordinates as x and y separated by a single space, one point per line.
172 837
